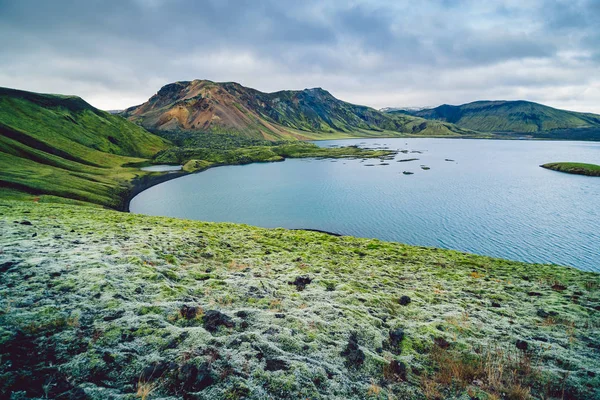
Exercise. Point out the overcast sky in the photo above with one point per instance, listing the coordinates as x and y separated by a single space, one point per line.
379 53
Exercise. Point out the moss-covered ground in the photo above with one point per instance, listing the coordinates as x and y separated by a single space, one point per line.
574 168
106 305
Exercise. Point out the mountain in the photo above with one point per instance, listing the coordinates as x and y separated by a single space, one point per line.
514 117
205 106
61 145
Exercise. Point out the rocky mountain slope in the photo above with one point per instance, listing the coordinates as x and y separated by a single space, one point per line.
514 117
205 106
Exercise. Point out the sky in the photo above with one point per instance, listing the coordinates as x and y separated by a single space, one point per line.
396 53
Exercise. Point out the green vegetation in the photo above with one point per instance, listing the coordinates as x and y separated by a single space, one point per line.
199 158
55 147
515 117
105 304
62 146
574 168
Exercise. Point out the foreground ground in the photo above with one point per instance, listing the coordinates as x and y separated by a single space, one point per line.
101 304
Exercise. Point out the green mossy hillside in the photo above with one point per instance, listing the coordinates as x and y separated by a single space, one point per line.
515 118
61 146
100 304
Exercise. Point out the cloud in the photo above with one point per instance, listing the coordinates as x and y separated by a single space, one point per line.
380 53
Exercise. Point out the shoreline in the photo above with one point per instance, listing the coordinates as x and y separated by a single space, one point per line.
140 184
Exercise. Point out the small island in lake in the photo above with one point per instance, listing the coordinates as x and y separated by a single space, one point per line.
574 168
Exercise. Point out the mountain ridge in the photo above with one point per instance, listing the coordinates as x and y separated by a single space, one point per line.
202 105
514 117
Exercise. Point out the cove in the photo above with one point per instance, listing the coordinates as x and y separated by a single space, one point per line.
487 197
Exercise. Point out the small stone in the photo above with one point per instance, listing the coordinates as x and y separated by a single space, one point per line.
274 364
301 282
396 336
404 300
25 222
522 344
441 342
398 370
213 319
353 354
545 314
496 304
188 312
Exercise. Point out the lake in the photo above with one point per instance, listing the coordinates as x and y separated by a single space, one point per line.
492 198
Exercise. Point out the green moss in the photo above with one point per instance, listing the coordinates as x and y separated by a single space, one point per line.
574 168
121 312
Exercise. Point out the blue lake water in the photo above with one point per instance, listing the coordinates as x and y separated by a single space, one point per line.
492 199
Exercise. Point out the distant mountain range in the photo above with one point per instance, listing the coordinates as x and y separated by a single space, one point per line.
513 118
201 106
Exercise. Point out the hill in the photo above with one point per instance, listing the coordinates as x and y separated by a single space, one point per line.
205 106
62 146
514 117
99 304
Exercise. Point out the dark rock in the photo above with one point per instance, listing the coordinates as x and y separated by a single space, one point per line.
540 339
441 342
591 374
396 336
545 314
188 312
274 364
242 314
496 304
300 282
77 394
25 222
279 315
537 294
108 358
213 319
194 379
404 300
522 344
57 236
6 266
155 371
34 235
353 354
397 370
558 287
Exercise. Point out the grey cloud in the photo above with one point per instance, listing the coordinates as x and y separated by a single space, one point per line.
376 50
